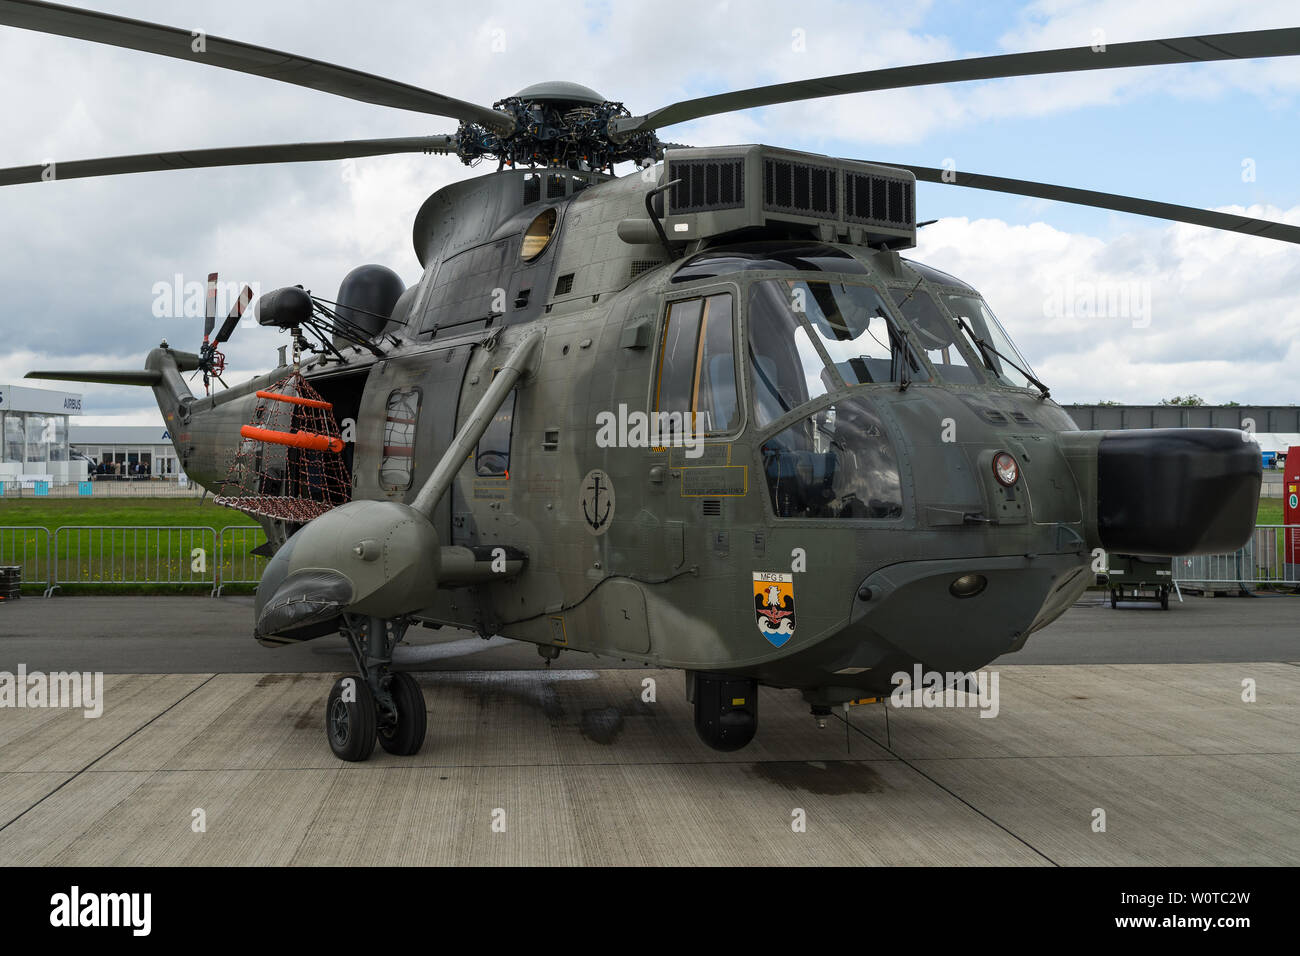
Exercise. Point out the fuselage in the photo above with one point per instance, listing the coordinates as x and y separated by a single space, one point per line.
822 511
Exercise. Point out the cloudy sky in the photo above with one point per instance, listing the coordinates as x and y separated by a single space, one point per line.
1105 306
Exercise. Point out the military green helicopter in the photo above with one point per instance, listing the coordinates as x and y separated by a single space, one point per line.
704 416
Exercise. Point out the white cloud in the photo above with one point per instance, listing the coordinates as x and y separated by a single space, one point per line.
78 259
1223 318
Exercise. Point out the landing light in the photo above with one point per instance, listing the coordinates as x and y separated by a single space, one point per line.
1005 469
968 585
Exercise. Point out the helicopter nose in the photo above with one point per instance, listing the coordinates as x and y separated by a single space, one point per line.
375 558
1175 491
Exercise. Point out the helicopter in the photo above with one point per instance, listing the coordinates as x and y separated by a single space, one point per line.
703 416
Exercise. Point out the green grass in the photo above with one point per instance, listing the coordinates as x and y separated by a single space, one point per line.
135 554
53 512
1270 511
173 512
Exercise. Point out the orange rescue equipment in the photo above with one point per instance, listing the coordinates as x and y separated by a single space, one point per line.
308 440
295 400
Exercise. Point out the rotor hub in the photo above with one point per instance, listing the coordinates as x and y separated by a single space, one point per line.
557 123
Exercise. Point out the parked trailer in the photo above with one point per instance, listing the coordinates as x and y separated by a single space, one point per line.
1140 577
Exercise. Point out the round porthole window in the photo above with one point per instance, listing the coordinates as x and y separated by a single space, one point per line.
538 235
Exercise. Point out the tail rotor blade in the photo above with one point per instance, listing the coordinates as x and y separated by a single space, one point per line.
232 320
210 309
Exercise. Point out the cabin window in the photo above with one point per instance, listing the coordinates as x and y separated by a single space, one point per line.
397 463
696 387
492 460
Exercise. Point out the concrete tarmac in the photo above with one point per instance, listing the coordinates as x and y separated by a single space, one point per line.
527 765
179 635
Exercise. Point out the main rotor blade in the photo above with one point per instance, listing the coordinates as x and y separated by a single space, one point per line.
1221 46
1086 197
102 377
226 156
243 58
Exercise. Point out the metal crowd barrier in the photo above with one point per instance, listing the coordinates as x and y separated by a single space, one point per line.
28 547
107 554
134 555
1261 562
236 562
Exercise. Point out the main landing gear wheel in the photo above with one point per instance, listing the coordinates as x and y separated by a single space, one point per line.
350 719
405 736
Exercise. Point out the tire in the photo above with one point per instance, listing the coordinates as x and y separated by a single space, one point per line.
350 725
1164 599
1114 598
407 737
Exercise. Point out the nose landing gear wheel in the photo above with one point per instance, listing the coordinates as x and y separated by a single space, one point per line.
350 719
406 736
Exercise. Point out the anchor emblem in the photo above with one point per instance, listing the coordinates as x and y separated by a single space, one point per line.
597 501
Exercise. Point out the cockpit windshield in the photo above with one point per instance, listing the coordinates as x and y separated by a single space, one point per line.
999 354
841 333
936 335
818 319
852 327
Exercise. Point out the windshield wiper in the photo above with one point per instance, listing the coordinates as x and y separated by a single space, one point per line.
987 347
906 358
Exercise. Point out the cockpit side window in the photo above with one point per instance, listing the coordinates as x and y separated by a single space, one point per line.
696 387
936 335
